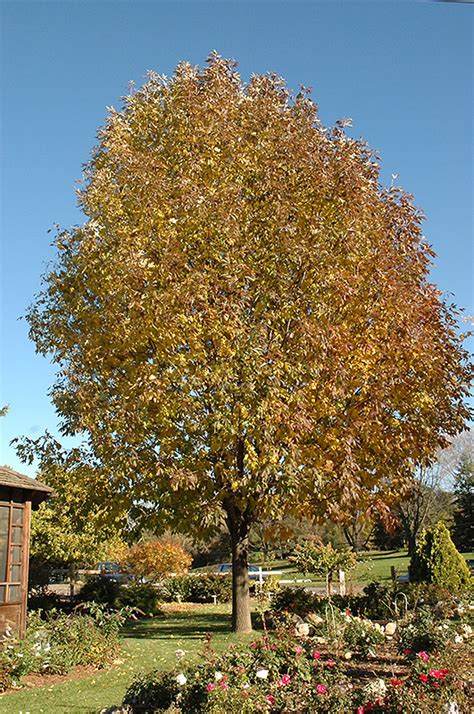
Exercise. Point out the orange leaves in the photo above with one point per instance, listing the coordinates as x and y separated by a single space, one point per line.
156 559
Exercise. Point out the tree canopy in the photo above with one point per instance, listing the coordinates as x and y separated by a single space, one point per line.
244 325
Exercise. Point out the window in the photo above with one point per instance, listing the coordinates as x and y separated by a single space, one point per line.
11 551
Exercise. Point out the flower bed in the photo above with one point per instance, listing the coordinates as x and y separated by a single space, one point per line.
283 671
55 643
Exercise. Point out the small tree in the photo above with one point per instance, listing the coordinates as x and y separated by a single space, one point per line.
156 559
323 560
437 560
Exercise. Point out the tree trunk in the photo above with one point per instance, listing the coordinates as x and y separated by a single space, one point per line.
239 527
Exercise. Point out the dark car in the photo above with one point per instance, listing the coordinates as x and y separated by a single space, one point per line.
254 571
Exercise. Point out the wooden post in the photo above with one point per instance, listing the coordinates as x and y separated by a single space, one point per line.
393 575
342 582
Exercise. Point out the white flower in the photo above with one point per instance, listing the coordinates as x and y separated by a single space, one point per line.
376 689
218 676
179 654
458 640
246 685
181 679
452 708
262 674
466 630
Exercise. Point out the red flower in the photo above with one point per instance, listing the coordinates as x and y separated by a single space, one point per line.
437 673
284 680
330 663
423 656
321 689
407 652
360 710
210 687
424 677
348 612
270 699
396 682
316 655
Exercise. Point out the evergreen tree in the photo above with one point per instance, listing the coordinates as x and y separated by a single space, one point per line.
436 560
463 534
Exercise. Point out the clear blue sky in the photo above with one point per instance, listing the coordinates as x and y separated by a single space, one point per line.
402 70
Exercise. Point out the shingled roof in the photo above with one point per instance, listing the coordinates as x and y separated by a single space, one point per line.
13 479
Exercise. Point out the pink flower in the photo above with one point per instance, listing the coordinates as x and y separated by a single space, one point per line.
423 656
330 663
316 655
284 680
210 687
348 612
424 677
437 673
360 710
298 649
270 699
273 647
321 689
253 644
223 685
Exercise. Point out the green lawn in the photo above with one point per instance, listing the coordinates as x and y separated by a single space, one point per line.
375 565
148 644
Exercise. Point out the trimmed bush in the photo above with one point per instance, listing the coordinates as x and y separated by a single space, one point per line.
104 591
437 560
139 596
197 588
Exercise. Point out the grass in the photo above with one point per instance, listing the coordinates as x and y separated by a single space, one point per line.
148 644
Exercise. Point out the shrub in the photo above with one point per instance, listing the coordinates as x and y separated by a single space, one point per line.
156 559
197 588
44 600
423 633
100 589
361 636
296 601
437 560
139 596
58 642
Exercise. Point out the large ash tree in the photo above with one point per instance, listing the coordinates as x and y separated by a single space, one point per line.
244 325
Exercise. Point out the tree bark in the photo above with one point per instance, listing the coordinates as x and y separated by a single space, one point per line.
239 526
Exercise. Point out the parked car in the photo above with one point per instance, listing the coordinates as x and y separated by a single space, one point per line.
254 571
112 571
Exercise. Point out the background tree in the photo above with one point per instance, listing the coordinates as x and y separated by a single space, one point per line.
463 533
244 326
82 524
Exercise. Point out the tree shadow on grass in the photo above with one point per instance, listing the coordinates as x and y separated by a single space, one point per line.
187 626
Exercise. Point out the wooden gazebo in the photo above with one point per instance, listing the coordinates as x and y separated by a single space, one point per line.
19 495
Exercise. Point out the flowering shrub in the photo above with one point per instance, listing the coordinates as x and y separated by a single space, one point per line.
428 688
424 633
277 672
59 642
361 635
